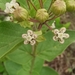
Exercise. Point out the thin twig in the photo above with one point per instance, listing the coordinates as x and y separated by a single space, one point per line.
34 20
41 3
40 26
51 14
50 5
52 18
32 5
48 26
28 3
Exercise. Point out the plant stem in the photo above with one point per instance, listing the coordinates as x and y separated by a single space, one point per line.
28 4
48 26
40 26
52 18
41 3
32 5
33 60
34 20
50 5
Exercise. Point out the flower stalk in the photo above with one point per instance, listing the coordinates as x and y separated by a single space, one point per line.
33 60
41 3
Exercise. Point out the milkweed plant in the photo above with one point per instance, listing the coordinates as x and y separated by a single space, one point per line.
31 33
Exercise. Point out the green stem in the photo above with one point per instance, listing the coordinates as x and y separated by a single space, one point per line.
32 5
34 20
52 18
41 3
28 4
33 60
48 26
50 5
40 26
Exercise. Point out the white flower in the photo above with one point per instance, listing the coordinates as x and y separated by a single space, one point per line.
53 25
60 35
8 18
30 37
32 42
10 7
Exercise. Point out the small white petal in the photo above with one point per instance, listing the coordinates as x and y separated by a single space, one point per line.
62 30
7 4
14 5
12 11
30 32
26 42
61 41
24 35
32 42
66 35
8 18
7 10
55 38
34 36
53 25
55 31
10 7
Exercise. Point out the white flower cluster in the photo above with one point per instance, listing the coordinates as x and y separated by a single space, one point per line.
8 18
29 38
60 35
10 7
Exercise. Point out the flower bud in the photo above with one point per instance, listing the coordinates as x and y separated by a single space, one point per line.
42 15
70 4
21 14
58 7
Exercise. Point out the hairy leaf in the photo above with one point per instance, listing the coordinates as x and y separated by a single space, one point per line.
10 37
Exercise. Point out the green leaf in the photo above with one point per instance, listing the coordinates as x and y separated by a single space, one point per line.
35 70
49 49
2 6
10 37
40 38
38 33
22 55
47 3
48 71
16 69
59 25
67 25
11 67
2 3
32 10
5 73
1 67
